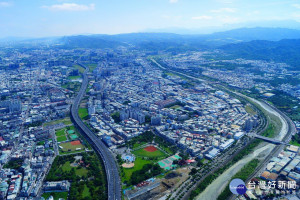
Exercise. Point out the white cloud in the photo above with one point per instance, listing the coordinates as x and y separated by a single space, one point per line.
203 17
229 19
173 1
296 6
5 4
172 17
229 10
225 1
70 7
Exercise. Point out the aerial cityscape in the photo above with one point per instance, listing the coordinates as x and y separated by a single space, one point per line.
102 103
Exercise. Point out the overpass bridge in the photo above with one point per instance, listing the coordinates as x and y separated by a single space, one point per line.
271 140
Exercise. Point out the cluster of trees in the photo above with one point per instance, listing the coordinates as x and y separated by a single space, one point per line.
34 124
148 171
146 137
165 145
126 102
296 138
286 103
174 104
74 72
116 117
56 173
95 181
270 131
14 164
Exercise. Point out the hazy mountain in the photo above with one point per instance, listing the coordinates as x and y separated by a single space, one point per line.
286 51
248 34
168 41
91 41
288 24
215 39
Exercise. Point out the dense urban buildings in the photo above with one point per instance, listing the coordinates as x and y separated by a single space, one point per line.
150 113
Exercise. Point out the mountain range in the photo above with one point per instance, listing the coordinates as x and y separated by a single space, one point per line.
277 44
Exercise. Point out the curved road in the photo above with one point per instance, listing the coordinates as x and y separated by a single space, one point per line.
112 174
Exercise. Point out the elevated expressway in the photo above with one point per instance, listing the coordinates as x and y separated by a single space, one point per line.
111 169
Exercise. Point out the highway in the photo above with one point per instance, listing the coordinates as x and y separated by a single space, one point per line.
111 169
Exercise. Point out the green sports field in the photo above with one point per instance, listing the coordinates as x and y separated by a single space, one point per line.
60 132
143 153
66 146
61 138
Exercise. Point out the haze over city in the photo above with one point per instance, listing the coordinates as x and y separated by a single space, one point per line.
32 18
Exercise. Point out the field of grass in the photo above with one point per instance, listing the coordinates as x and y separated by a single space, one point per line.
293 142
60 132
175 107
73 77
73 86
71 128
66 146
79 171
83 113
81 69
62 139
136 145
92 67
56 195
250 110
40 143
270 131
66 121
143 153
138 164
170 74
86 192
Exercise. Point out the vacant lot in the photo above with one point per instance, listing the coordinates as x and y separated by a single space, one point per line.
66 121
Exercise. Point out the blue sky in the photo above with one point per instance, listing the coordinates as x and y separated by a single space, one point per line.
39 18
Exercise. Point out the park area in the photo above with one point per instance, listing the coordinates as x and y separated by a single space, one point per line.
56 195
145 157
138 165
84 171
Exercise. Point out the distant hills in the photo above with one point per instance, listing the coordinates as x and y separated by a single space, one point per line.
287 50
169 40
248 34
278 44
